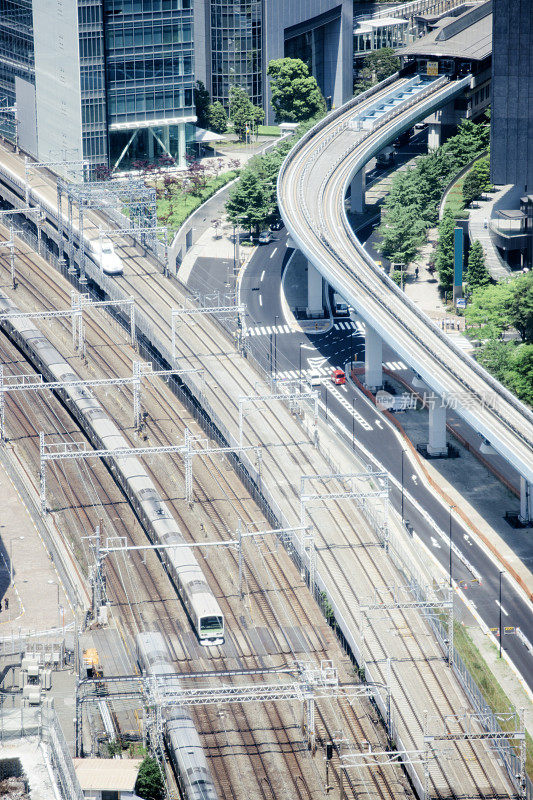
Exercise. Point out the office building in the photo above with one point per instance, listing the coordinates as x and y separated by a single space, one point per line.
111 81
512 93
243 37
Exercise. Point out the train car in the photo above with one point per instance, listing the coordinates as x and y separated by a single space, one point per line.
181 737
103 253
180 562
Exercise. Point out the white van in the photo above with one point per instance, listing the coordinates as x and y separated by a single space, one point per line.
314 378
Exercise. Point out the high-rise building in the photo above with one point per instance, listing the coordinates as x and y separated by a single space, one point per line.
109 81
512 93
243 36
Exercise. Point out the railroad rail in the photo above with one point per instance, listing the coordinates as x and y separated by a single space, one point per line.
312 185
340 530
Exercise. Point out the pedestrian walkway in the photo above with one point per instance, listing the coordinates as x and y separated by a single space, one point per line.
485 214
32 597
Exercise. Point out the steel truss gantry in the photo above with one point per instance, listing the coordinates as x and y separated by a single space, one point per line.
292 397
29 165
32 383
480 726
140 233
73 313
381 758
118 544
238 310
59 451
81 301
307 543
311 682
402 598
139 199
189 452
26 210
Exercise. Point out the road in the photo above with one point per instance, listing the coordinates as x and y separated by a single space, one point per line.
273 345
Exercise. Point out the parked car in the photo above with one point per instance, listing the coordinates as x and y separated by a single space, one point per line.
265 237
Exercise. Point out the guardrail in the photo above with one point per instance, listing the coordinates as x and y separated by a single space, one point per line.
423 104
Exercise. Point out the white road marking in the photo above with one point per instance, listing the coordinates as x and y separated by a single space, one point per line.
308 347
344 388
260 300
502 608
466 537
414 478
378 423
262 275
316 361
435 543
274 251
345 403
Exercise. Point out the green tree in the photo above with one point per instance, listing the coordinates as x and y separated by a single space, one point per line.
149 784
201 101
377 66
477 273
477 181
217 119
519 375
444 261
382 63
494 356
519 305
295 93
244 115
402 232
488 311
251 201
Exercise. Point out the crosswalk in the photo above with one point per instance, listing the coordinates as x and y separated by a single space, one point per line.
394 366
325 371
268 330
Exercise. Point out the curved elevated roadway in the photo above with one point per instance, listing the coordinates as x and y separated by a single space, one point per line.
312 186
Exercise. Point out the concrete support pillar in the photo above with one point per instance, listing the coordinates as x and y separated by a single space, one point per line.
434 131
437 431
181 146
526 500
358 195
150 144
373 358
314 291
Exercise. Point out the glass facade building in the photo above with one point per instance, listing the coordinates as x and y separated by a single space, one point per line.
236 48
113 79
16 53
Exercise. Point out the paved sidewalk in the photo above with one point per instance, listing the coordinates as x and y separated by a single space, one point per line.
36 598
480 219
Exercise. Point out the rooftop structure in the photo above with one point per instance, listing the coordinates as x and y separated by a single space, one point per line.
467 37
107 775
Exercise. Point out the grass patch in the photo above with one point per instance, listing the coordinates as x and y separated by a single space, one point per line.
268 130
488 685
173 211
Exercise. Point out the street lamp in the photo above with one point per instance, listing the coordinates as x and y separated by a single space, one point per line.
450 535
301 345
275 344
500 604
403 453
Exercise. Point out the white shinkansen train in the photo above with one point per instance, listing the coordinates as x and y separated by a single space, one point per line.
181 737
180 562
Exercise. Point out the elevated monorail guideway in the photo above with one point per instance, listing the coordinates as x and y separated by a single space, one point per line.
312 186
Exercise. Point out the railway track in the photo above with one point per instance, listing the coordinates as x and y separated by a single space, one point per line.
200 346
295 611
